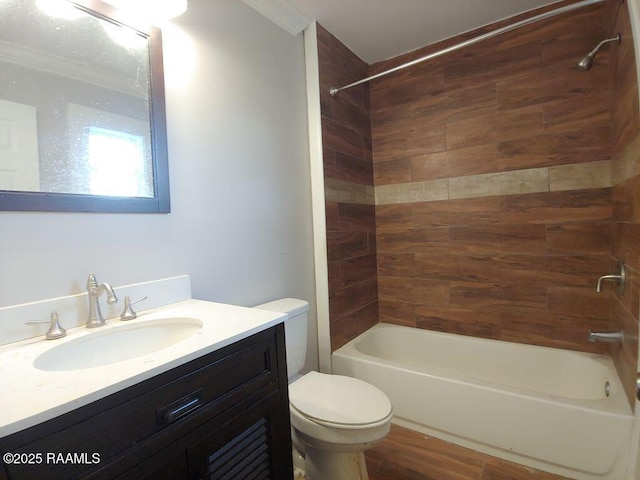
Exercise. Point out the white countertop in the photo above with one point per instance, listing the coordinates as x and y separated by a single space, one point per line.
31 396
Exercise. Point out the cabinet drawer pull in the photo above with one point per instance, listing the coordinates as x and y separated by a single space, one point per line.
180 408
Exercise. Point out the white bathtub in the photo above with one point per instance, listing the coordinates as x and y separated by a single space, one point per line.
542 407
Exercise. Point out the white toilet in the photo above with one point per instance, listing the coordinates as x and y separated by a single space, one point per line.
334 418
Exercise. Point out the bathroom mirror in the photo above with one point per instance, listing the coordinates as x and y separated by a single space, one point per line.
82 115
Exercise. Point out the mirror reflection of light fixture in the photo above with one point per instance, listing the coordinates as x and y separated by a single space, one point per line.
59 9
143 12
150 11
126 37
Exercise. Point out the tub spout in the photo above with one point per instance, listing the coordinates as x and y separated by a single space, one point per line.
613 337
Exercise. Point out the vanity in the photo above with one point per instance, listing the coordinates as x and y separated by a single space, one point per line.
212 405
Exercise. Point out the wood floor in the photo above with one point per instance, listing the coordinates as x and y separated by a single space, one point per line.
408 455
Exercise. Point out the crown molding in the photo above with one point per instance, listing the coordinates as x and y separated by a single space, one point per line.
281 13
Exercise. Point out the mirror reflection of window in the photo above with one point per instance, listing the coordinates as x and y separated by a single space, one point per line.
108 154
116 161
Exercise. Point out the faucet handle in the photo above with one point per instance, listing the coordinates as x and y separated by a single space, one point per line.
128 313
620 278
55 330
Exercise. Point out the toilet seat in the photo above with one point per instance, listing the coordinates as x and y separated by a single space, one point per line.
339 401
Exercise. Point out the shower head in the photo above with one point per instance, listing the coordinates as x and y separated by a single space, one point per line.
585 62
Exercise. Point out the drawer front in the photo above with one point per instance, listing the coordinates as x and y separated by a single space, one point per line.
225 378
251 438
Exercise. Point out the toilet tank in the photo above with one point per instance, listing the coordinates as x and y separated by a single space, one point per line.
295 330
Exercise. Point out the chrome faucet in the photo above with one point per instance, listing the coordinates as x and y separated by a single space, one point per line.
94 290
620 278
613 337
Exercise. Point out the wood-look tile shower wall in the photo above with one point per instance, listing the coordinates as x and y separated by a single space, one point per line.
493 184
504 180
350 209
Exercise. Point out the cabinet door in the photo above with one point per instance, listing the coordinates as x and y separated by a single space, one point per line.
169 465
254 445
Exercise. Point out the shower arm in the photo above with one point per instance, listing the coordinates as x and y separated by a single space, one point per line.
333 91
604 42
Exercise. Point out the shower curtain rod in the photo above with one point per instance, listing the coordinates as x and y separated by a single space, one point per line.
552 13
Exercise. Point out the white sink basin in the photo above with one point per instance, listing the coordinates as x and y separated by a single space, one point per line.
117 344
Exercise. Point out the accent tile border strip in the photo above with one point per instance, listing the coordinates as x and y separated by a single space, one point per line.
348 192
535 180
428 191
581 176
516 182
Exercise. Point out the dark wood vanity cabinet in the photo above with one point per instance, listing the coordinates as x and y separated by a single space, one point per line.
222 416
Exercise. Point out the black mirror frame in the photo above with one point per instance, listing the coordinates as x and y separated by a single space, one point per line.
160 203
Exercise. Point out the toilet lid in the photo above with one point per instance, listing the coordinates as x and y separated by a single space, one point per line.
337 399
